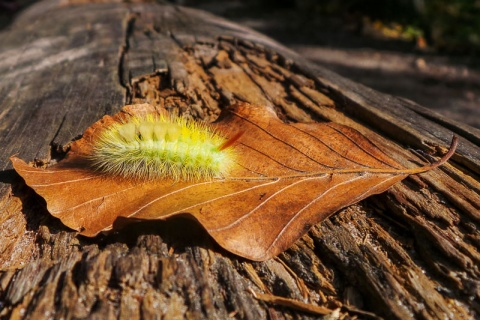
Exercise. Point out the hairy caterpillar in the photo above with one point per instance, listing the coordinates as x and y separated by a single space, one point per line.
152 147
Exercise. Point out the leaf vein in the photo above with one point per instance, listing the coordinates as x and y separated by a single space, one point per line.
285 227
62 182
282 141
330 148
364 150
222 197
273 159
245 216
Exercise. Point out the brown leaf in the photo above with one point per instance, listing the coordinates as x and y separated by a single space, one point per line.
288 178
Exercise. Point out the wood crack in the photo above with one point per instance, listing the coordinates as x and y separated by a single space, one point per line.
123 69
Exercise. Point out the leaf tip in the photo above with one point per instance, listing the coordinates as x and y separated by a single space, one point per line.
448 155
443 160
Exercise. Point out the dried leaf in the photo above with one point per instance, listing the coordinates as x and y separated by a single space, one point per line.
288 177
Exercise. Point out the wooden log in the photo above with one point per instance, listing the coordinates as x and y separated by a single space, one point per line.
409 253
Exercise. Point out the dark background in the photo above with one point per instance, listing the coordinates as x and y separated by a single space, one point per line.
423 50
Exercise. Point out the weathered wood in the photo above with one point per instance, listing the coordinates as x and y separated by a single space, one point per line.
411 252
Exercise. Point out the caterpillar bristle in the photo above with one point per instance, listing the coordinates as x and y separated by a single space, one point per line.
230 142
158 147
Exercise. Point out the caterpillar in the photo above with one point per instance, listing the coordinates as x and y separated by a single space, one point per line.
162 146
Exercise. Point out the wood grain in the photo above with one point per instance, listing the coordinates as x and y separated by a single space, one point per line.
409 253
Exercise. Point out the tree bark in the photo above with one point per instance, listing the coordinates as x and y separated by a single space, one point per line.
411 252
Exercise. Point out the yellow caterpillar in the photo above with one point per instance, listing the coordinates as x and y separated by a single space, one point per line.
155 147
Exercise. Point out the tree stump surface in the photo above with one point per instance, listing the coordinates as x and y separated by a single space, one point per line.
411 252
